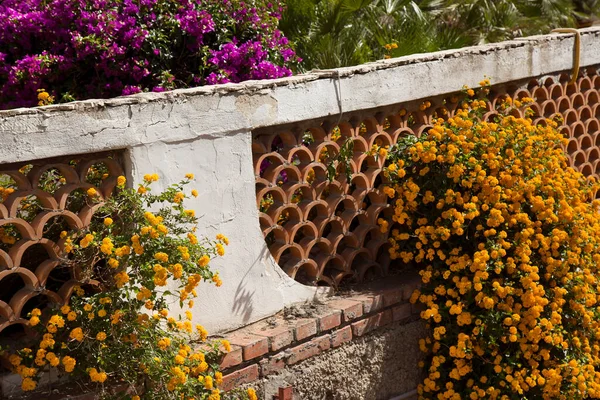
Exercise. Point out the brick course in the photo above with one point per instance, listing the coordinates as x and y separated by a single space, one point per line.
272 365
233 358
371 303
402 312
341 336
239 377
351 309
278 337
305 328
308 349
262 350
252 345
369 324
392 296
330 320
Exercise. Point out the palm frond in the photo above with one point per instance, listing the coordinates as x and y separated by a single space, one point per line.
333 33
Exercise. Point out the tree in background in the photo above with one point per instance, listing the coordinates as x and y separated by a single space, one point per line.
335 33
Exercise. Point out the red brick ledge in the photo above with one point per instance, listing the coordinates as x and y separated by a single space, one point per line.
267 347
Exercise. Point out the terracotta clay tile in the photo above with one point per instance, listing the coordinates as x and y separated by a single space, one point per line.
314 245
33 233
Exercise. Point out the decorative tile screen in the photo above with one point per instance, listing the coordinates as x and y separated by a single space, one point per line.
40 199
323 232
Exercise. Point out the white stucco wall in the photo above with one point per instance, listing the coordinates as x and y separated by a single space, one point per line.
253 284
207 131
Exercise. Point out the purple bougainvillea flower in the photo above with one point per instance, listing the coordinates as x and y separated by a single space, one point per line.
78 49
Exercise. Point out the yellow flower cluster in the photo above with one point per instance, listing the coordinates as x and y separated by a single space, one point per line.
69 363
191 364
121 278
190 287
378 150
76 334
151 178
7 237
160 275
44 98
178 198
136 245
124 259
223 238
96 376
162 257
86 241
388 48
107 246
5 192
251 394
508 242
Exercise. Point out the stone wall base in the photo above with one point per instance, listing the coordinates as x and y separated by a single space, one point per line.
380 365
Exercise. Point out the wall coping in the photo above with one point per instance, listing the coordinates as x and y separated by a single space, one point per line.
252 86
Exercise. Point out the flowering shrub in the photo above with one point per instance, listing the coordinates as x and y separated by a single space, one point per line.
131 264
508 243
78 49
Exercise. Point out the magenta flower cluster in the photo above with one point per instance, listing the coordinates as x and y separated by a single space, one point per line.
78 49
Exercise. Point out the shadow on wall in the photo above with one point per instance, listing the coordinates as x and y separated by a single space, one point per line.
242 302
242 299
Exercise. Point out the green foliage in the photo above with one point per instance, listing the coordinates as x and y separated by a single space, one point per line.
341 163
336 33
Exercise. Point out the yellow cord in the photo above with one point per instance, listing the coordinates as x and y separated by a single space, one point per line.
576 51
